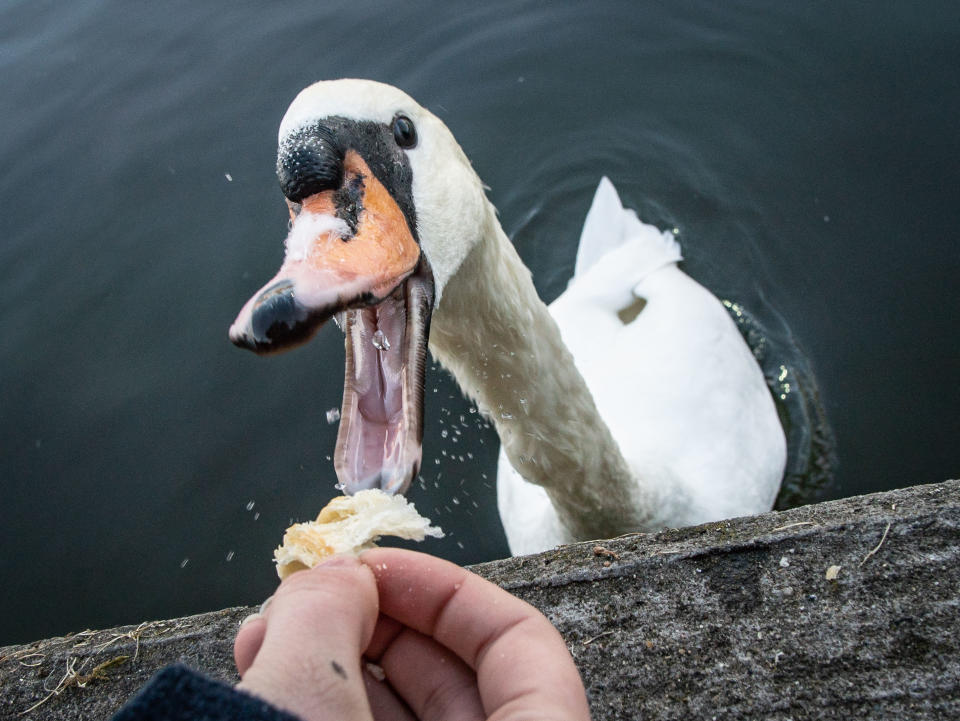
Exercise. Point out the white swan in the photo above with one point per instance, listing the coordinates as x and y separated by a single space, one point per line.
607 426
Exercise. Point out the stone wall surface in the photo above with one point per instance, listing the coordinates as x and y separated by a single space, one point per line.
847 609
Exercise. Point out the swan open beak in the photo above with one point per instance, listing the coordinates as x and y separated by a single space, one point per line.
350 254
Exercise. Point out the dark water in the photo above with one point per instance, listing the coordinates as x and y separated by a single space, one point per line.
806 152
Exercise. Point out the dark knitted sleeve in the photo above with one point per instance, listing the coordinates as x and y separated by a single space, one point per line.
177 693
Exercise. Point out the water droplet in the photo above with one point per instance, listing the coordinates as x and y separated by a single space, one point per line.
436 461
184 562
380 341
230 555
228 177
256 516
444 433
339 486
506 416
250 505
456 501
333 415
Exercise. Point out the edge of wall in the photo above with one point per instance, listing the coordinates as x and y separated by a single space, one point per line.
734 619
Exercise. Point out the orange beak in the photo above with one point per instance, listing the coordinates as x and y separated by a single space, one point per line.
357 261
351 253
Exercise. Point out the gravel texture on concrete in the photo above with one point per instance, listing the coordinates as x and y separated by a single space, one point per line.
840 610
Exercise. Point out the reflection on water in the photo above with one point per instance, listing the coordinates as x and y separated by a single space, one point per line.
804 154
811 445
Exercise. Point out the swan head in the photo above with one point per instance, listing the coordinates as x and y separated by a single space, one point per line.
384 207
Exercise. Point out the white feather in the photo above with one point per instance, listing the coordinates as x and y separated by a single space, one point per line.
305 229
608 225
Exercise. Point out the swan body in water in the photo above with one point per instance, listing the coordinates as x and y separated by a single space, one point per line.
631 403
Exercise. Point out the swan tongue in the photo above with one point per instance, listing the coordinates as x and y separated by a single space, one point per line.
381 420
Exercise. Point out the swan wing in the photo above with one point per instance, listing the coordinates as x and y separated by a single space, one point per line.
609 225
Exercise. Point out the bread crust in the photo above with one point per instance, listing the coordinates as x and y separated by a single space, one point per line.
350 524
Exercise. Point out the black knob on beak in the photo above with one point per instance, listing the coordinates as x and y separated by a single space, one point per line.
309 161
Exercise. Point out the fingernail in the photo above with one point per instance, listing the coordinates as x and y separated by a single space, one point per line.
249 618
265 605
340 559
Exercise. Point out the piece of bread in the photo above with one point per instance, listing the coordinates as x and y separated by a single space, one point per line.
350 524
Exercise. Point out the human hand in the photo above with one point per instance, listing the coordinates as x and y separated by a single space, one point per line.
452 646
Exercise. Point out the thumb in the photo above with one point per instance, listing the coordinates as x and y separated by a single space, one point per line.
314 631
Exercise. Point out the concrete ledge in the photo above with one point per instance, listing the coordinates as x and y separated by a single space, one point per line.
728 620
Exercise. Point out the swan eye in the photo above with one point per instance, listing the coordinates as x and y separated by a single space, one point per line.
404 132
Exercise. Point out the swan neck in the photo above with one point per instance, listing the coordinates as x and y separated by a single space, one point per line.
498 339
